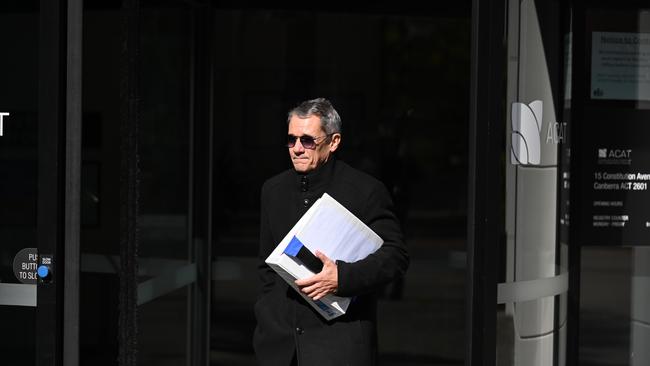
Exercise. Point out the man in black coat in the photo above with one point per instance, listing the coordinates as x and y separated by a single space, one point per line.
289 331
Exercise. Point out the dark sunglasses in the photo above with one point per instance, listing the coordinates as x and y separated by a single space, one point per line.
307 141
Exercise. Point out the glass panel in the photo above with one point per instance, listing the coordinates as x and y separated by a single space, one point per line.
615 328
100 186
163 146
532 293
164 173
18 169
401 89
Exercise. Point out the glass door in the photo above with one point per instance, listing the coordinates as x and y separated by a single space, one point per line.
74 289
19 159
519 195
39 139
145 262
398 77
532 289
613 101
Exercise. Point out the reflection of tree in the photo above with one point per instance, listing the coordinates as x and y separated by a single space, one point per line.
416 142
427 79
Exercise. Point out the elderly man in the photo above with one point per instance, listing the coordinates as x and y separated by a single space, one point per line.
289 331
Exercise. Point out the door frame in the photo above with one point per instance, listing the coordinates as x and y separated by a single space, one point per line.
59 183
485 178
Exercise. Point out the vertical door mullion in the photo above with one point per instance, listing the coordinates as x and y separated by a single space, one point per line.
486 175
579 90
59 171
129 183
201 181
51 114
72 203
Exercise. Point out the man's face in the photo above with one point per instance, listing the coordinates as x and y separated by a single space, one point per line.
306 160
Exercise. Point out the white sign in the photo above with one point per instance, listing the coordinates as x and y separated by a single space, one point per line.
25 265
620 66
2 116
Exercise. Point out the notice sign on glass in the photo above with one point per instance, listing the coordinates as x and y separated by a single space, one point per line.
620 66
615 184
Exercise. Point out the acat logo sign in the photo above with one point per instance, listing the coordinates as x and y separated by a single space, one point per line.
526 121
615 153
2 116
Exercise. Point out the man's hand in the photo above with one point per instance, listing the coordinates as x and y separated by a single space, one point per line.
323 283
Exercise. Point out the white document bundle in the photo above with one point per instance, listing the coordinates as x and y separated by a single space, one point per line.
334 231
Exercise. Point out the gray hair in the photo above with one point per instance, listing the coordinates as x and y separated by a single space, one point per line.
321 107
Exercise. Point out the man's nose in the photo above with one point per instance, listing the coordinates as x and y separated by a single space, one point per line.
298 148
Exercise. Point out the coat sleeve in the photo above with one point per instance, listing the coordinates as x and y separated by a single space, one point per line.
388 262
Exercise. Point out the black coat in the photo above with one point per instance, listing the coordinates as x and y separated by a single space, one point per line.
286 324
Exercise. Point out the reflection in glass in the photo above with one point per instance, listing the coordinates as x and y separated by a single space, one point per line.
18 169
163 138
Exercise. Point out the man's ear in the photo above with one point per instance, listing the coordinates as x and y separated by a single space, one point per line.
335 141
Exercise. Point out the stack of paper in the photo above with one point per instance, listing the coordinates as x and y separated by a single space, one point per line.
334 231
